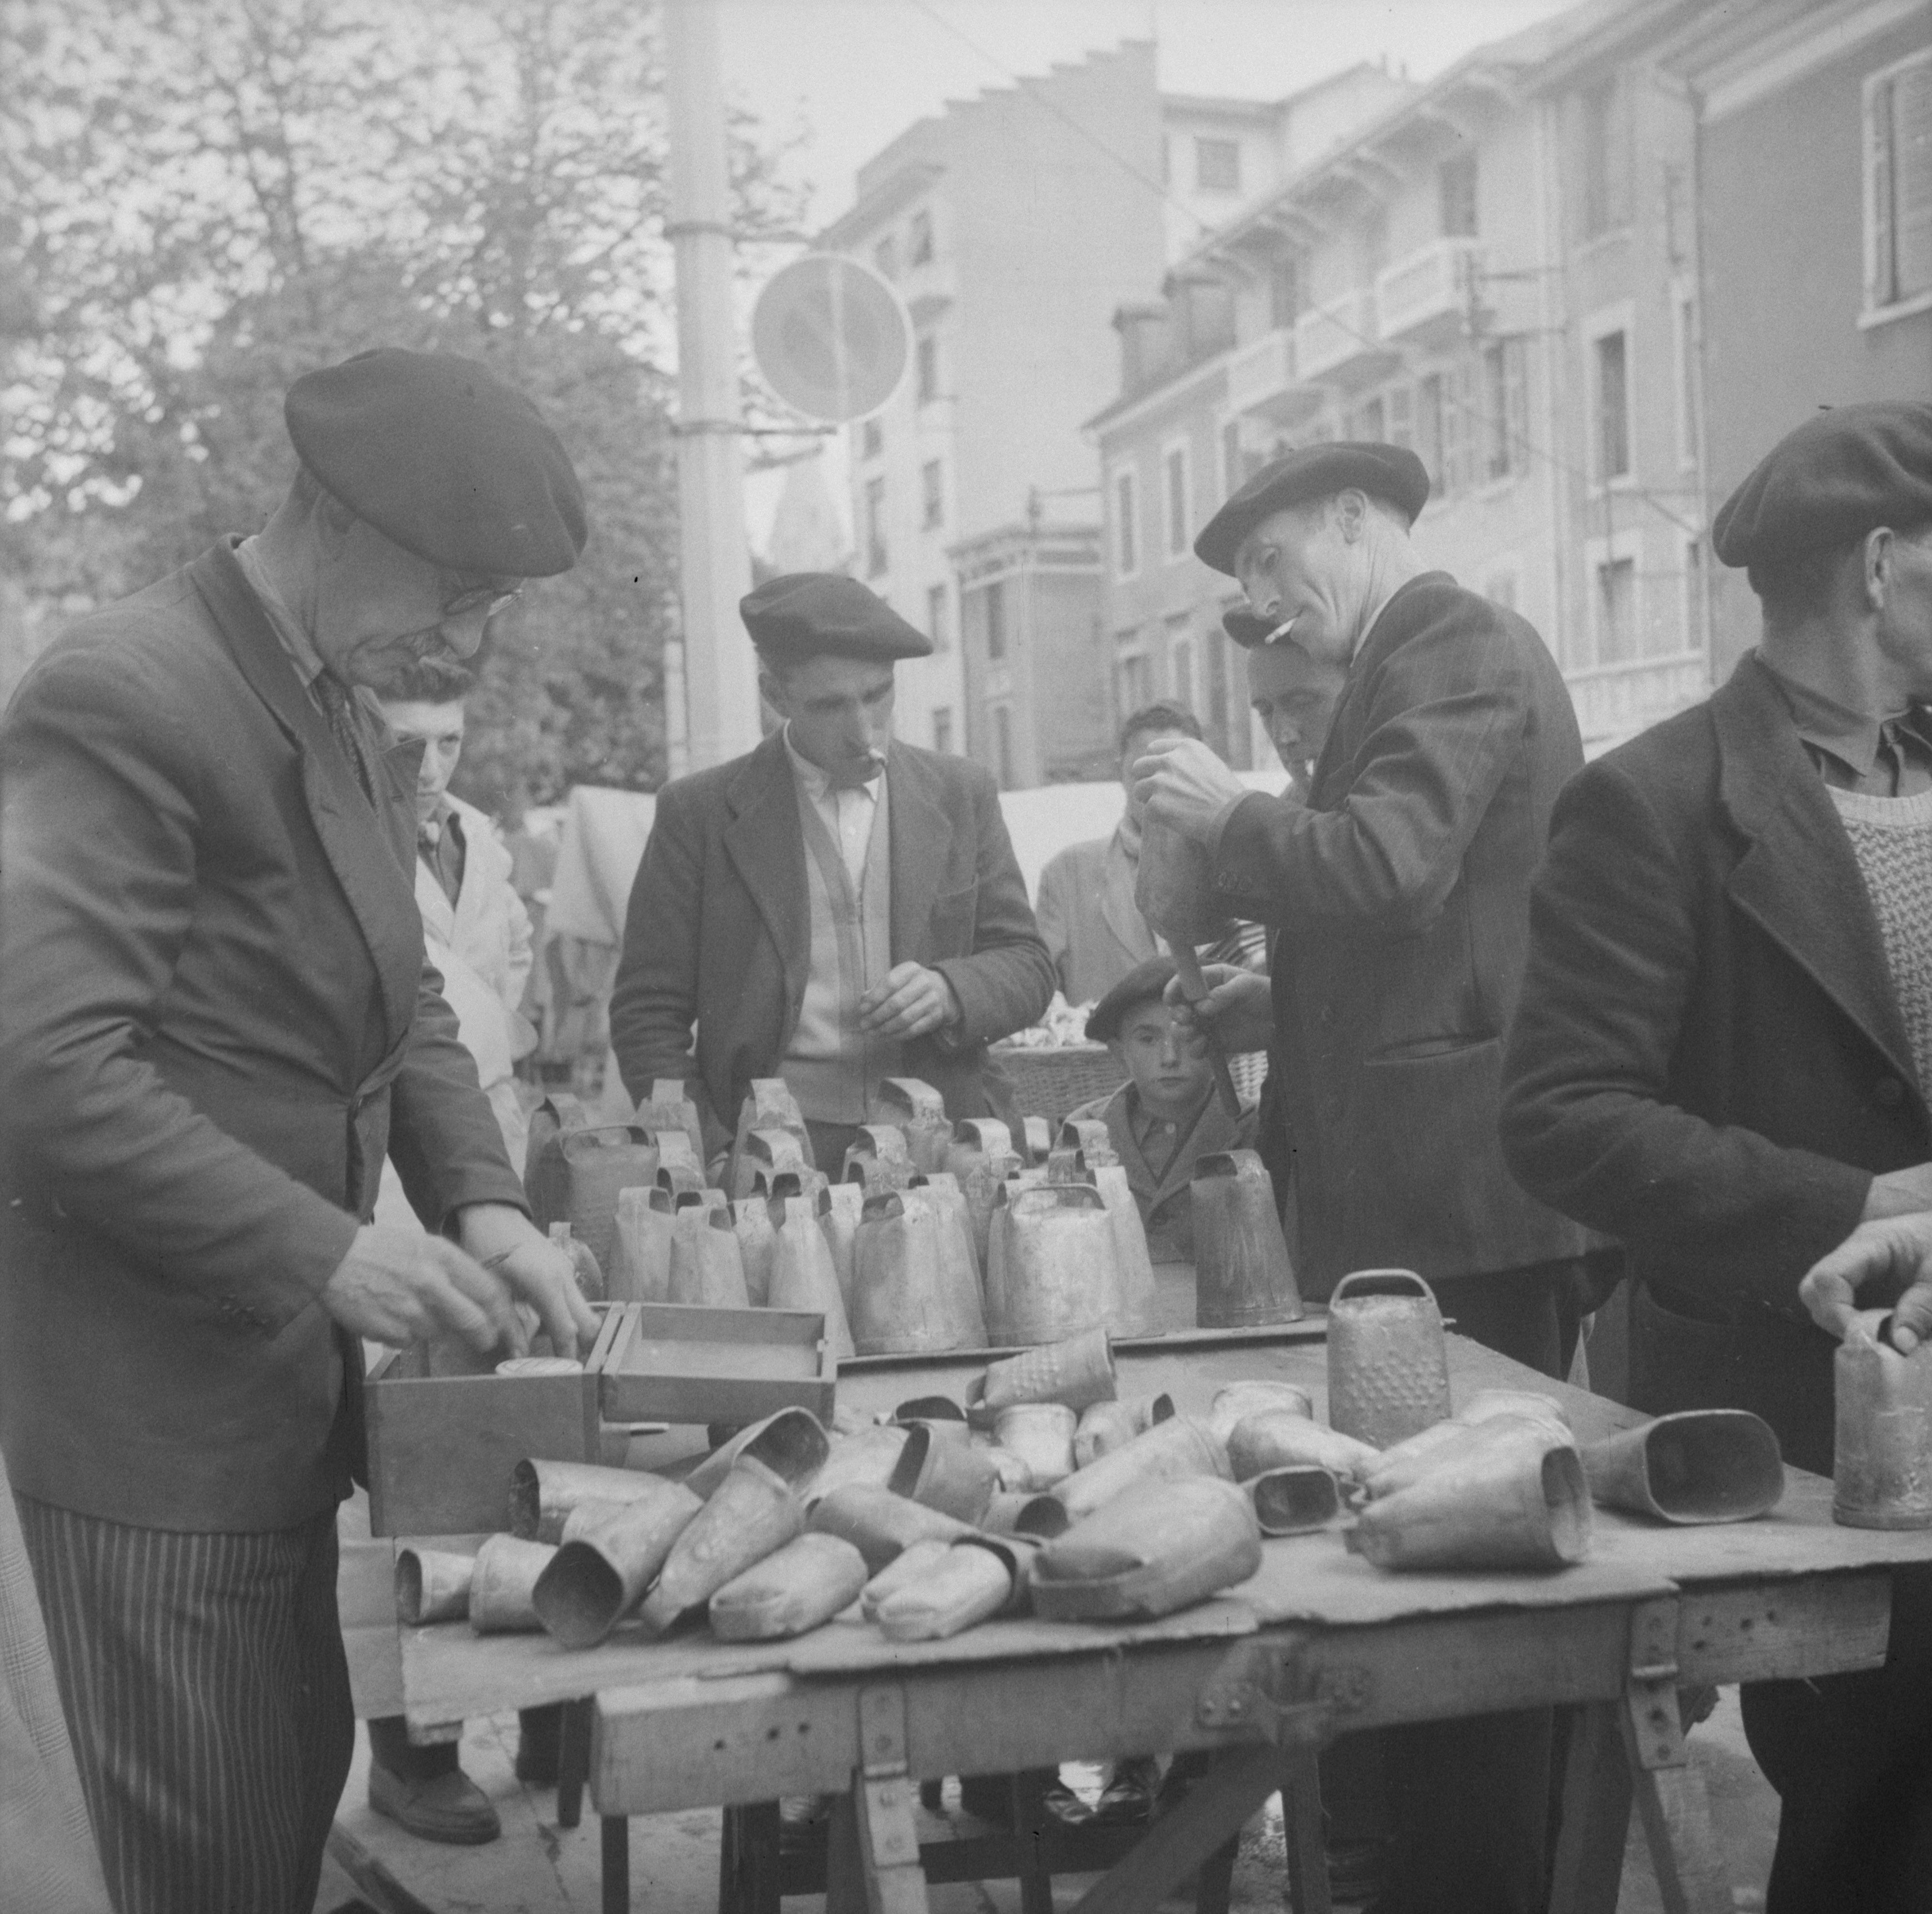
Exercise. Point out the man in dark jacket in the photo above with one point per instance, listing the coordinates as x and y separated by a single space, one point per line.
1400 892
1724 1048
834 907
216 1017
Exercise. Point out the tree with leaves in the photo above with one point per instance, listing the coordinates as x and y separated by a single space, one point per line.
206 198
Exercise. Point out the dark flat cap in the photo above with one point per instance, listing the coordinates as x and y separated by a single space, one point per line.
1390 472
1248 630
824 614
1141 985
1831 481
442 458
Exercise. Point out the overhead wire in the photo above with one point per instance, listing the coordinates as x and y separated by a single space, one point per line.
1160 189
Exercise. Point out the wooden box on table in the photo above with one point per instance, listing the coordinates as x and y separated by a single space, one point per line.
442 1446
675 1362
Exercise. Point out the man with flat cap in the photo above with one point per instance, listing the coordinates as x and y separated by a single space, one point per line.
217 1018
1398 893
834 908
1723 1052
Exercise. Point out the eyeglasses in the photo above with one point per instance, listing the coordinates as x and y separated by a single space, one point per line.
493 596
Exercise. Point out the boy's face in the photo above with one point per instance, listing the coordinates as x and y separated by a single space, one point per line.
1168 1065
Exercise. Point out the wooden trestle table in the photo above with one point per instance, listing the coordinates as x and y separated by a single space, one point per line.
1316 1645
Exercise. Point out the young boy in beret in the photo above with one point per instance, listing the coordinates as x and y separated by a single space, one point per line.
1165 1116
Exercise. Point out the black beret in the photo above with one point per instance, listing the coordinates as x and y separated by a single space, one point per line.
1247 629
1146 981
1831 481
1390 473
822 614
443 458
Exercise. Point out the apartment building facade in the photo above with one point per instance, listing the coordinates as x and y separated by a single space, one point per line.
1012 226
1494 272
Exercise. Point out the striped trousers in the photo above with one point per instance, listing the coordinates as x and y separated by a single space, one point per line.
207 1696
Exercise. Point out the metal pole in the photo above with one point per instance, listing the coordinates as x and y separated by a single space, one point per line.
721 683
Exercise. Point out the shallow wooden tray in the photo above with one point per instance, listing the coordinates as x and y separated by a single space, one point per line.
674 1362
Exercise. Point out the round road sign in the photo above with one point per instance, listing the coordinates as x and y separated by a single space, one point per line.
831 337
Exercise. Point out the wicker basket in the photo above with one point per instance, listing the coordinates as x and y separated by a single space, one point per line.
1049 1083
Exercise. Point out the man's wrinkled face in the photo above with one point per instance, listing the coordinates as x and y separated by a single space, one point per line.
840 711
1295 696
1299 565
440 726
379 606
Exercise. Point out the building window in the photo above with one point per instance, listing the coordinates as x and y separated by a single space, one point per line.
935 618
942 727
1174 498
1684 314
1126 539
1456 187
1180 668
1134 683
885 257
919 239
1616 611
1605 159
1402 416
1217 165
1284 290
996 621
926 368
1232 472
932 493
1428 445
1898 183
875 527
1366 421
872 439
1371 245
1002 745
1611 366
1500 588
1693 594
1504 413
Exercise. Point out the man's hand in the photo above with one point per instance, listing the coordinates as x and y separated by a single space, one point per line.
1238 1012
506 1242
910 1002
398 1286
1894 1252
1185 786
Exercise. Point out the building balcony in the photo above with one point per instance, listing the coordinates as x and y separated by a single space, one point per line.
1336 344
1616 701
1261 380
1424 300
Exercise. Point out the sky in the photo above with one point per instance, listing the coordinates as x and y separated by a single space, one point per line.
848 75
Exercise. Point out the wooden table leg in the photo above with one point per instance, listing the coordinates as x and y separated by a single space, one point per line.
616 1837
1588 1873
871 1856
573 1761
1027 1809
1179 1841
1669 1791
1301 1824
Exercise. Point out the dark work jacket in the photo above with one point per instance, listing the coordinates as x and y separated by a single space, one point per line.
1400 891
718 930
1708 1061
214 1018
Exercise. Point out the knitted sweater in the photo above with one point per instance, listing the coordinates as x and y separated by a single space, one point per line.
1892 838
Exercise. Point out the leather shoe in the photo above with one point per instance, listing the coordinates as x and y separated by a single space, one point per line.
1128 1798
449 1808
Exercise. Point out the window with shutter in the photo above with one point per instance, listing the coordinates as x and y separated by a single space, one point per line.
1898 183
1457 434
1402 416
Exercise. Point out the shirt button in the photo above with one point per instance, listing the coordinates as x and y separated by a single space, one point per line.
1889 1092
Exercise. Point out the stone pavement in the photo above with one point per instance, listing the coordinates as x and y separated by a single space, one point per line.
539 1868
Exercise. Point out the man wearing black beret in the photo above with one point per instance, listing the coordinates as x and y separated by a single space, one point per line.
834 908
218 1020
1399 892
1723 1052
